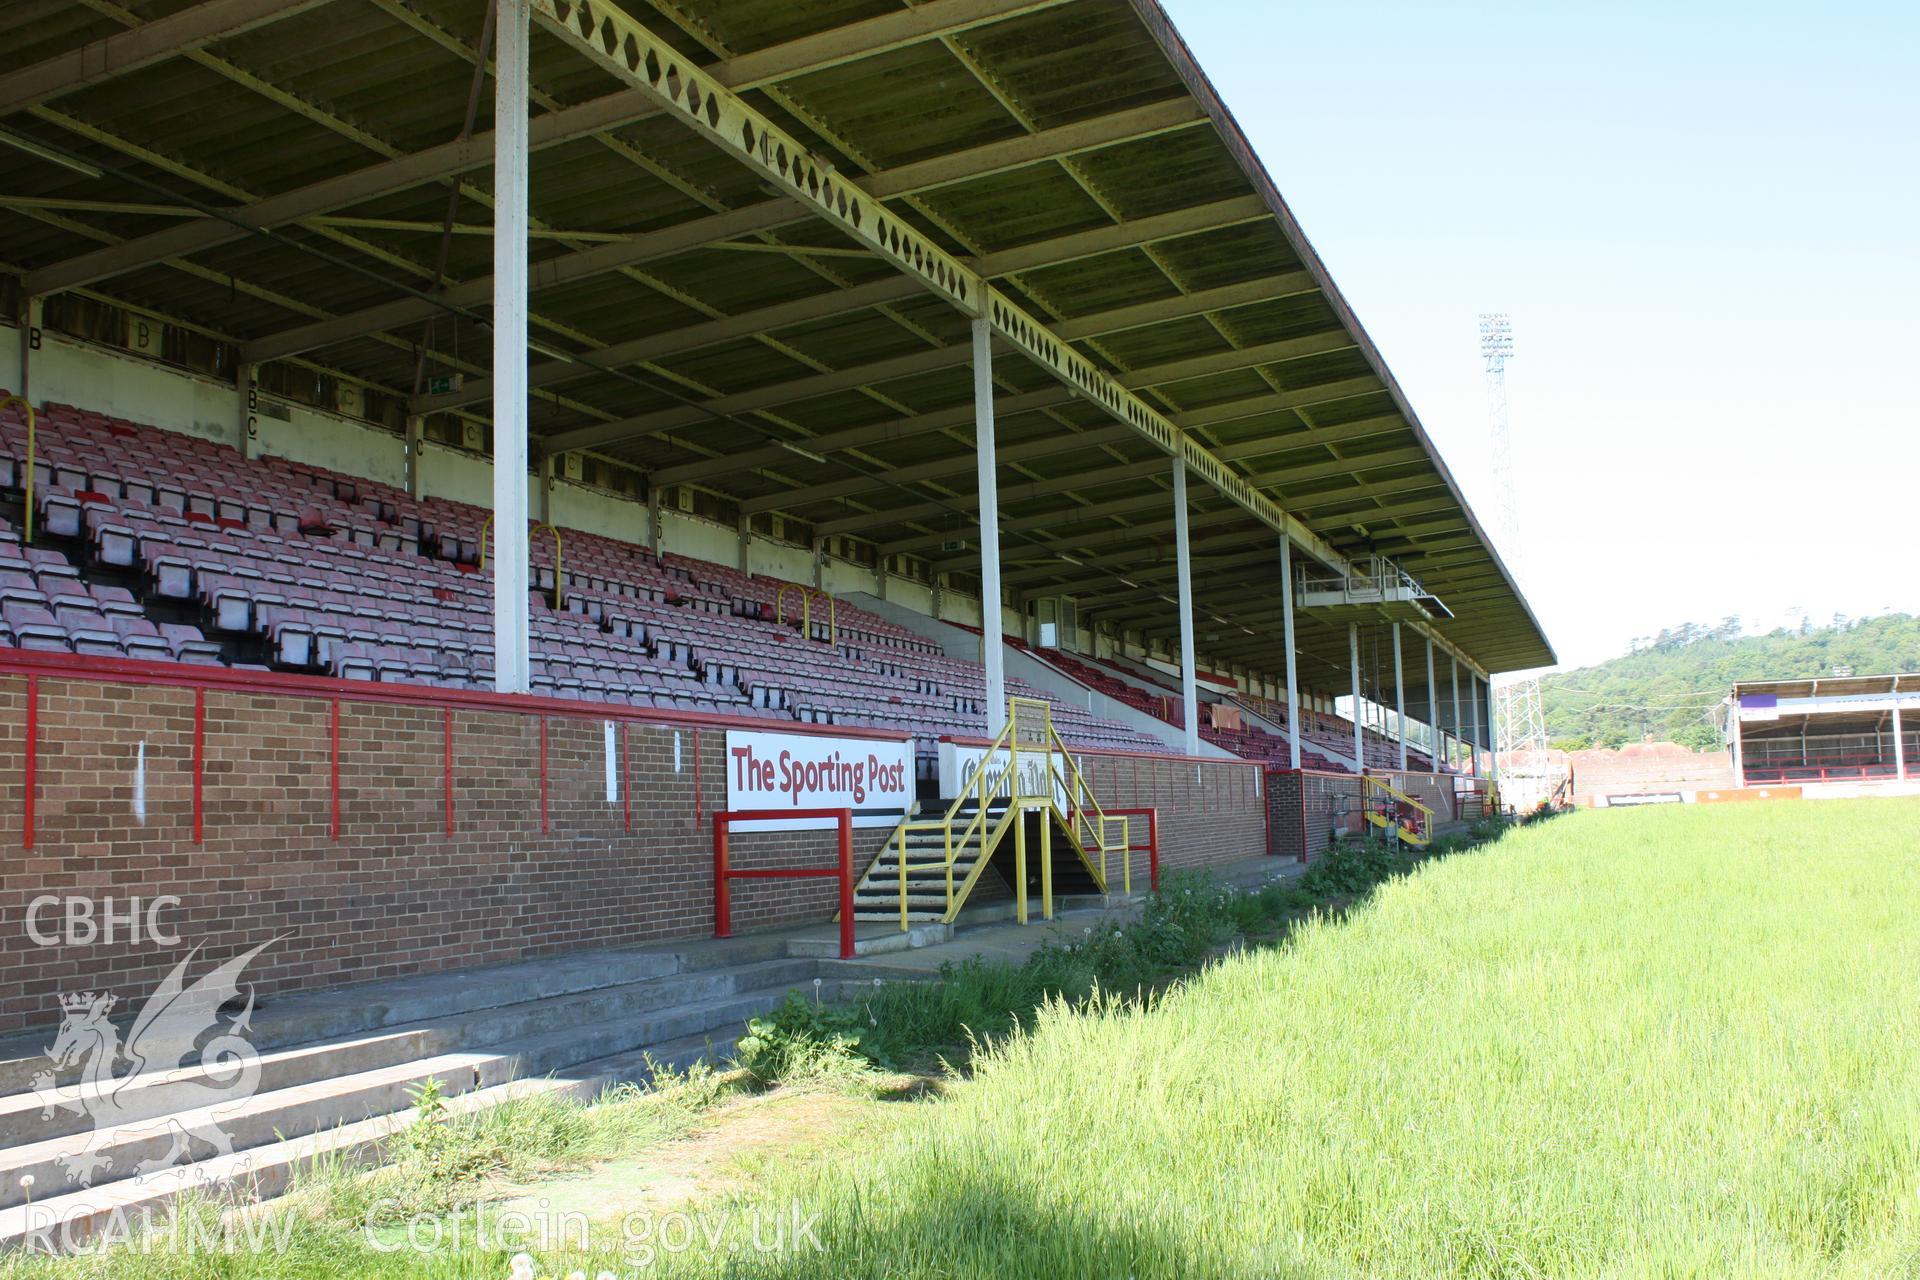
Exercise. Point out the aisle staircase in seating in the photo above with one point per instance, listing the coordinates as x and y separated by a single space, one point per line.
1027 813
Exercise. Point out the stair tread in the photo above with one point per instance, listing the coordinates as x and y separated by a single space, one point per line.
714 1011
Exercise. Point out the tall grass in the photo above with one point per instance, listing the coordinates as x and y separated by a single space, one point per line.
1675 1042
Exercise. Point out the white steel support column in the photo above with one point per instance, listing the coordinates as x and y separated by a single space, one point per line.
1183 562
1473 704
1353 662
1433 711
1493 746
510 647
1293 677
992 646
1399 699
1453 660
1899 746
1739 756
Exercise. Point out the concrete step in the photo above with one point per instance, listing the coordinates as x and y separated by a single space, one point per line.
675 1037
64 1222
877 900
154 1095
270 1116
306 1017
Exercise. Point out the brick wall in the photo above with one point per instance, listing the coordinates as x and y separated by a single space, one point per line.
1306 809
1209 811
395 893
1650 768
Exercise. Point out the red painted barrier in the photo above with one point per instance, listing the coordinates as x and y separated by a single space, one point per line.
333 768
199 762
447 766
1151 848
31 765
723 873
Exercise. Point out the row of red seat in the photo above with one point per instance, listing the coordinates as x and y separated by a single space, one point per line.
307 569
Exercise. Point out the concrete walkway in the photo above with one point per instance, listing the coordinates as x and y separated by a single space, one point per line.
1007 940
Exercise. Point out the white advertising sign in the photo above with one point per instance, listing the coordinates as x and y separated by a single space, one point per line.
871 776
959 764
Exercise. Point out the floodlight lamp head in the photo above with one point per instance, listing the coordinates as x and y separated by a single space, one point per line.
1496 335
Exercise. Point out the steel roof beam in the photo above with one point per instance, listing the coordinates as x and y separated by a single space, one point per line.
142 46
612 111
895 477
1346 433
684 338
1229 412
1008 494
855 40
1192 220
1101 513
633 53
1313 344
1226 297
1004 407
1282 477
820 306
604 434
985 160
1055 550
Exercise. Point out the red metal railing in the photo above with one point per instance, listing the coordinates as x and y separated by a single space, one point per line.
723 874
1151 848
1820 769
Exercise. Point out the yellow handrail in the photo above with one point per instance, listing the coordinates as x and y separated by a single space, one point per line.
806 609
1370 784
978 790
23 403
1088 823
486 527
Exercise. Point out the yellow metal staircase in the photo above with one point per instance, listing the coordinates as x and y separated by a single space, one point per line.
1393 811
1027 790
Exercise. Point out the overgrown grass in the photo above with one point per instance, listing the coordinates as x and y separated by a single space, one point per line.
1667 1042
976 1001
1673 1042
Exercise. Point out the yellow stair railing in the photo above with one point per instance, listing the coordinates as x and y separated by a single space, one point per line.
1000 776
807 595
1393 810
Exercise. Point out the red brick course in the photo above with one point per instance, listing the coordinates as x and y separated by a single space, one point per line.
394 893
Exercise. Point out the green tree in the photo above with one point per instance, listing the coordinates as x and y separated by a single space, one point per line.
1666 685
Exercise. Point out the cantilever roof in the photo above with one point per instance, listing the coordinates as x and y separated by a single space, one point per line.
288 164
1830 686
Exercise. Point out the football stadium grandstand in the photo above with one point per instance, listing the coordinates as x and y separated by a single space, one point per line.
519 482
1837 735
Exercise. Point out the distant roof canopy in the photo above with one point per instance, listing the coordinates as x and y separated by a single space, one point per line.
282 174
1769 692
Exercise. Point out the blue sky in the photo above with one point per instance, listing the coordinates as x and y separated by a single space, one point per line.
1704 220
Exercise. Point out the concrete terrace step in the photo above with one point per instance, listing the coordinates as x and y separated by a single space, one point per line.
323 1124
301 1109
160 1093
307 1017
63 1222
339 1095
